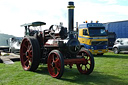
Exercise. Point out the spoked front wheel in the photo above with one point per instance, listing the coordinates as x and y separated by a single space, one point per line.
87 66
55 64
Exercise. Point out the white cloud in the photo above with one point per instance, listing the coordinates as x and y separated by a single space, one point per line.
109 1
17 12
102 12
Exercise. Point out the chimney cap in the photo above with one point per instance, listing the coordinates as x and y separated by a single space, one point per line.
71 3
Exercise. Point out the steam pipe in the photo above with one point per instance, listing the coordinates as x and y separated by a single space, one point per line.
77 29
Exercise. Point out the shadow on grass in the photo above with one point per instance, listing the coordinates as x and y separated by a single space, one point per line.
112 55
73 76
94 78
42 70
15 59
1 61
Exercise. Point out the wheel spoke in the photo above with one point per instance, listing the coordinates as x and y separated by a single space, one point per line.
56 61
81 65
86 67
53 70
24 54
55 64
29 48
25 46
30 51
27 54
58 69
50 65
27 61
88 58
52 57
87 63
30 59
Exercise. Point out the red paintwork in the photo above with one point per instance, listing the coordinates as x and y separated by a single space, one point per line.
84 67
26 59
54 70
74 61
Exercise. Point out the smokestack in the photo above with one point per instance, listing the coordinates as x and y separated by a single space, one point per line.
71 16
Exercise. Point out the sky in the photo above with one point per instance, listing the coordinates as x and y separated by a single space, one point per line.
14 13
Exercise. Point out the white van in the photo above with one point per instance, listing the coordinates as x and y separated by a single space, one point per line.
120 45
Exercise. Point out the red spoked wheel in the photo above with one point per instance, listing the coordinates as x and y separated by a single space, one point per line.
55 64
87 66
30 54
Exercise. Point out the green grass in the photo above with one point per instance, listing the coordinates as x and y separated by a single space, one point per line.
110 69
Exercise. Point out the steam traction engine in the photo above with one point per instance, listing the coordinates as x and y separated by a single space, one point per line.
55 47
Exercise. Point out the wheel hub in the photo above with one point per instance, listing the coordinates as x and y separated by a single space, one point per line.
26 53
53 64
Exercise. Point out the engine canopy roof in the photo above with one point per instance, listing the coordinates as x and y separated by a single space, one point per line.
38 23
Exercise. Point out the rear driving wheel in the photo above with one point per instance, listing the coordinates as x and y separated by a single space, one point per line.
87 66
55 64
30 54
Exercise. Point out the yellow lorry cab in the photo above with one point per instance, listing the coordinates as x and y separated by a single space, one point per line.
93 36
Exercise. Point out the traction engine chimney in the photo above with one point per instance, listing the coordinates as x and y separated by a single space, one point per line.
71 17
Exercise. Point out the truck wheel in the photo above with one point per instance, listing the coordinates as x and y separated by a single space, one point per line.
87 66
100 54
55 64
116 51
30 54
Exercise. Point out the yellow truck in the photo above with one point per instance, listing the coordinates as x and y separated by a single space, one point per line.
93 37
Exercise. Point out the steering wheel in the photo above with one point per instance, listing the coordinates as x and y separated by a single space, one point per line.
52 28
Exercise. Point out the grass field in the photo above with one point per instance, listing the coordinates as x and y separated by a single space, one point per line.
110 69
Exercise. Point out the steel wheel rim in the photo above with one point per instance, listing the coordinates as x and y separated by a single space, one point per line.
86 65
54 64
26 54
